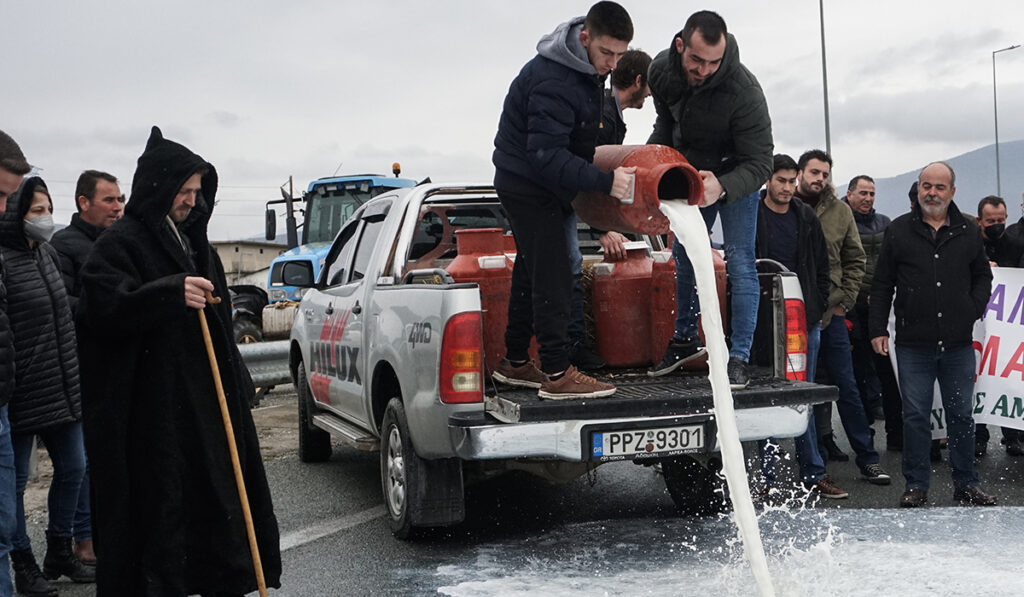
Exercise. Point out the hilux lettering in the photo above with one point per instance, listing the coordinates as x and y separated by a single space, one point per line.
336 361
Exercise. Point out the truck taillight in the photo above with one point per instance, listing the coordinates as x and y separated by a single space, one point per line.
796 340
462 359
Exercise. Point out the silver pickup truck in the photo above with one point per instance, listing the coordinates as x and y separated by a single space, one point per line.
386 354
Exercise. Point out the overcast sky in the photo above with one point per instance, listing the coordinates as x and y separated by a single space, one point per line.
265 90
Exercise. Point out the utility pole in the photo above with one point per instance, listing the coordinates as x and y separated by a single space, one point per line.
824 77
995 114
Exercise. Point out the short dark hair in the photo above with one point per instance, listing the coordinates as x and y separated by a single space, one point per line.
609 18
633 63
11 157
782 161
993 200
813 154
711 25
86 186
858 178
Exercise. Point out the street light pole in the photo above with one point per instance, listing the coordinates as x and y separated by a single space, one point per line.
995 114
824 77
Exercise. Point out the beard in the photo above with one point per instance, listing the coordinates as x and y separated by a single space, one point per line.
933 207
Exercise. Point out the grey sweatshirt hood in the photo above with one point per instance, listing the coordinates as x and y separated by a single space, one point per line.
564 47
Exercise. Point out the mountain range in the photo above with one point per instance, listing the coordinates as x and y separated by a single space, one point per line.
975 179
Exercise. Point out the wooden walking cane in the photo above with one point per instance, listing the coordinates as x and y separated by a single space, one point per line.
229 430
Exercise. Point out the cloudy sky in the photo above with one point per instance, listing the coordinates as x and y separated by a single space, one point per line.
266 89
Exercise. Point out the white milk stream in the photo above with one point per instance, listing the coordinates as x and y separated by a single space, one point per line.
688 225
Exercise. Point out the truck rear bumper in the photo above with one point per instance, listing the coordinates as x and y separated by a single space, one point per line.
477 437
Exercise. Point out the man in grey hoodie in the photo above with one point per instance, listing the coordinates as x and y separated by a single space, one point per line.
543 157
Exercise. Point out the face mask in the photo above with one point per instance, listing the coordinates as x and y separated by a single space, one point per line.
39 228
995 230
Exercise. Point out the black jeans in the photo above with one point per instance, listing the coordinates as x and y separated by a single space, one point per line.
541 280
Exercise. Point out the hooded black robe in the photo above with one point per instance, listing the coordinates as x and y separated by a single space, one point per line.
166 514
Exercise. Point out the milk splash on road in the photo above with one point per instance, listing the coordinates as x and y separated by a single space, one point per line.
689 228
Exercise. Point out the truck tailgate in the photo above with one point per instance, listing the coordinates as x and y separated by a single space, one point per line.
637 395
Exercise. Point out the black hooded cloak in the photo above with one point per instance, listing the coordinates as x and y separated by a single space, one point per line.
166 514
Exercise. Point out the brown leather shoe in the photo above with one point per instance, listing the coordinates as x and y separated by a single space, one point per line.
84 552
827 488
914 498
574 385
524 376
973 496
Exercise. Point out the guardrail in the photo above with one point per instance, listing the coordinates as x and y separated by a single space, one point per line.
267 362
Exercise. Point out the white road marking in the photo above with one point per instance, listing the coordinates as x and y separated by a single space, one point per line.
328 527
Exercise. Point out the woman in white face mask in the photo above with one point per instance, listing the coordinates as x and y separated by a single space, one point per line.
46 402
39 218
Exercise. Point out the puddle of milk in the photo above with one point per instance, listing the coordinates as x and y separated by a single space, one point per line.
690 230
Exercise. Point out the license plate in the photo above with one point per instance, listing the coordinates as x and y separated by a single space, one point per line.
647 443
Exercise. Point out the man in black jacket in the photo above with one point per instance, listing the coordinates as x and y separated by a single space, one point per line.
543 157
167 518
1003 250
712 110
934 259
13 168
100 203
875 378
790 233
628 89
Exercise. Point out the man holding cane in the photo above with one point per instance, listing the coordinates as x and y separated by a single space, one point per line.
167 513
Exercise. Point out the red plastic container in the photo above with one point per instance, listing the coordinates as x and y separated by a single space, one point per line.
662 174
482 259
621 299
663 304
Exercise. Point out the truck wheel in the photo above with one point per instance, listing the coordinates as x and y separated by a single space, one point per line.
314 443
696 490
246 331
399 468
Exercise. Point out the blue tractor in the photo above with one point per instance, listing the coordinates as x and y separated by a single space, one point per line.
328 203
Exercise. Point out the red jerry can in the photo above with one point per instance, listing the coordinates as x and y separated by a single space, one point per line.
482 259
662 174
663 304
621 299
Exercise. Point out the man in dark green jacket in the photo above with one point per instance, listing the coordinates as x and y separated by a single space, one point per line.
712 110
846 268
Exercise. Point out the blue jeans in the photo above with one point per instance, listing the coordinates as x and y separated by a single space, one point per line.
577 329
8 503
65 446
82 525
812 465
918 370
808 458
838 361
739 229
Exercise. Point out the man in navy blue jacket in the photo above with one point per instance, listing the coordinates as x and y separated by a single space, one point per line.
543 157
13 168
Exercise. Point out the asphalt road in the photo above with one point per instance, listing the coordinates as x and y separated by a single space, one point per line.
336 540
